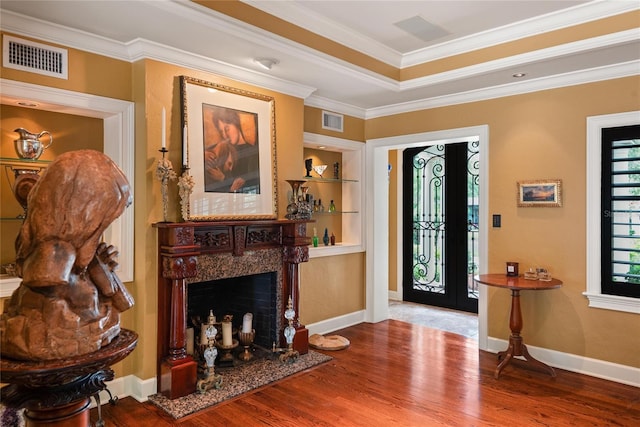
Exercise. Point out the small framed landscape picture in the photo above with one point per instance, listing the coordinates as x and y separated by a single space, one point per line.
542 193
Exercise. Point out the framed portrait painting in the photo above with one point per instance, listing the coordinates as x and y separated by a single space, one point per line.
229 148
543 193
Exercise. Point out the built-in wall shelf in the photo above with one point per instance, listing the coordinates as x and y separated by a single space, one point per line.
347 192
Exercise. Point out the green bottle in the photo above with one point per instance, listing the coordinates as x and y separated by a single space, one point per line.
315 238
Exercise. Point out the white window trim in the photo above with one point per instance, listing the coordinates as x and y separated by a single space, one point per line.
594 293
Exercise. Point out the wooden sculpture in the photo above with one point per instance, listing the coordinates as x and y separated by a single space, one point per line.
70 298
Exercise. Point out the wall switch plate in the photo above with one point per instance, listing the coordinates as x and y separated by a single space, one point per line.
497 220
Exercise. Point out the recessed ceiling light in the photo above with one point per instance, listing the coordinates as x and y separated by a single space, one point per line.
519 75
266 63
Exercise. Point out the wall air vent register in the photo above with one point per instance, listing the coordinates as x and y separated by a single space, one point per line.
332 121
25 55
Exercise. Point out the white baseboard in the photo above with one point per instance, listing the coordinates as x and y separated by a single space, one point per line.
395 296
340 322
583 365
129 386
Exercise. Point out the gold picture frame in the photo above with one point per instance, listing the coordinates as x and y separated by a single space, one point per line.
229 148
540 193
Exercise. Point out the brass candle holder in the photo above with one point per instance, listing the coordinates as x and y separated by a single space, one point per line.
227 332
246 339
226 357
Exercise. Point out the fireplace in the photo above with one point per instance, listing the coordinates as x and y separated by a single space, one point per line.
255 294
239 285
201 258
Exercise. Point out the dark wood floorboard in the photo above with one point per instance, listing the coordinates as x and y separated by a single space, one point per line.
398 374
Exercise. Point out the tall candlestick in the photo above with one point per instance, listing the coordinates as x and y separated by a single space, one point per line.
246 323
164 126
184 146
227 340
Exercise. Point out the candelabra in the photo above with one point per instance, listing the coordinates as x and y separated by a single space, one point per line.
185 188
165 173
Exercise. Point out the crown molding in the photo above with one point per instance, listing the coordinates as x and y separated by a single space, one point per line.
318 24
335 106
581 46
616 71
569 17
143 49
329 29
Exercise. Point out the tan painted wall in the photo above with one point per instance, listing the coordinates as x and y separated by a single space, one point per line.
353 127
331 286
537 136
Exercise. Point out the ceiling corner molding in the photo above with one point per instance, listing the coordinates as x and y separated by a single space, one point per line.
553 82
142 49
52 33
554 21
523 59
145 49
318 24
334 106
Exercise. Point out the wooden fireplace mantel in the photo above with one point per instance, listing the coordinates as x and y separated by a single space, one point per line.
179 245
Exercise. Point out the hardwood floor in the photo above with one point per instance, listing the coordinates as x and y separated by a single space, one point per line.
398 374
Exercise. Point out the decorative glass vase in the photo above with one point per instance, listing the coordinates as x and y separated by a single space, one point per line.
298 207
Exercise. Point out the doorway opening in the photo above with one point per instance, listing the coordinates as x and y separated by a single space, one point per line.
377 225
440 224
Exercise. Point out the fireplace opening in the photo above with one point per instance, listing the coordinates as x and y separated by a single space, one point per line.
255 293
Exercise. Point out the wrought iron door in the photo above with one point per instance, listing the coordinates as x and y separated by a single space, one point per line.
440 217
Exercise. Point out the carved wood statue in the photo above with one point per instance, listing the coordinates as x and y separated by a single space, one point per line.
70 298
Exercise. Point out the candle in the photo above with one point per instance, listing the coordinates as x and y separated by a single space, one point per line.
246 323
164 126
226 334
190 341
203 334
184 146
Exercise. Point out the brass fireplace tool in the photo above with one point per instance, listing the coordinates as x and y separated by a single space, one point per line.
208 378
288 355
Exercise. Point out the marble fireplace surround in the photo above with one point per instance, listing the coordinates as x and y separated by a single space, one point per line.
192 252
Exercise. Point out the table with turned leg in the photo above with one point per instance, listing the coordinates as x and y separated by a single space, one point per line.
516 346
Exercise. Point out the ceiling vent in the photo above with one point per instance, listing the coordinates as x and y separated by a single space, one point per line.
332 121
25 55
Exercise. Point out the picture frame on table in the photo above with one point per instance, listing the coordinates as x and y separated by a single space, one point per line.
540 193
229 148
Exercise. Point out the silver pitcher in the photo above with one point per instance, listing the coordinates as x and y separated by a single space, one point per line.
29 146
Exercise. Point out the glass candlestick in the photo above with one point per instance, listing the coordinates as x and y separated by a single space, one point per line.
208 378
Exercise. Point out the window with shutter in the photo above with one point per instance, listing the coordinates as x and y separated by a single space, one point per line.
613 212
620 222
